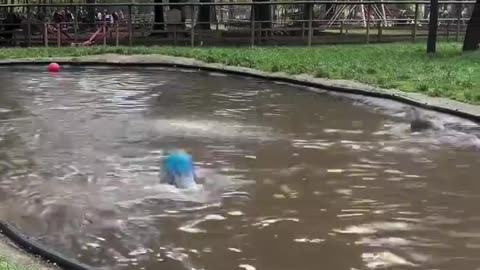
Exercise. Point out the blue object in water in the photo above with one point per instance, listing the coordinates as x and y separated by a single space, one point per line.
178 170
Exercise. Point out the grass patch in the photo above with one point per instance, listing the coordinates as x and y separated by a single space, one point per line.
7 265
449 73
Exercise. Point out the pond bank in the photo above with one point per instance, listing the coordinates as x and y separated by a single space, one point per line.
403 66
13 258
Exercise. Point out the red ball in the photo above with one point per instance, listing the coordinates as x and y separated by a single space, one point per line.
54 67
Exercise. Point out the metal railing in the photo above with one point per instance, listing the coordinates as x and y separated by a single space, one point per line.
311 29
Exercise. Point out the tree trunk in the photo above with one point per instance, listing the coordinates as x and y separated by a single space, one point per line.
432 27
472 36
159 19
305 12
204 16
230 12
90 11
263 14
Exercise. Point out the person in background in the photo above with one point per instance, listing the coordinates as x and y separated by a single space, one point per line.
99 17
58 17
115 17
121 16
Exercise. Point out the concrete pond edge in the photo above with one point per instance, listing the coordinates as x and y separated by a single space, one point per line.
51 259
442 105
438 104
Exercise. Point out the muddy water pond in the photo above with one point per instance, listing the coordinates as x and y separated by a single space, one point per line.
290 179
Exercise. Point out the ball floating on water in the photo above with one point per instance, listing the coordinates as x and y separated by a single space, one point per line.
54 67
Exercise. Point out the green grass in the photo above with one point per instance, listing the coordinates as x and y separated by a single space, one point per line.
7 265
407 67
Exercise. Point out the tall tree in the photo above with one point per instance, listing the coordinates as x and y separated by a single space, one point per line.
262 13
204 16
472 36
158 16
90 11
432 27
231 11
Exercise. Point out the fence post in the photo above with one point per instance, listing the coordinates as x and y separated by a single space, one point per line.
104 31
272 22
75 23
214 9
59 37
303 30
260 38
117 38
130 29
414 29
448 30
174 35
379 31
310 28
368 23
29 27
341 27
45 34
459 17
192 29
252 26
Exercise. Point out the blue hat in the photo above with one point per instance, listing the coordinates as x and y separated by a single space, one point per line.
178 169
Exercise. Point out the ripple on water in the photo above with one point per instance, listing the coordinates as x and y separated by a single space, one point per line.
247 266
307 240
263 223
371 228
191 226
384 259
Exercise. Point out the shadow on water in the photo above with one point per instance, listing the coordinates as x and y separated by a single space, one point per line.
289 179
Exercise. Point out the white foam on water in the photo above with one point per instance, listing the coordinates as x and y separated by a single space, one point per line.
335 170
384 259
247 266
384 242
375 227
190 227
3 110
139 251
345 131
307 240
93 245
210 129
268 222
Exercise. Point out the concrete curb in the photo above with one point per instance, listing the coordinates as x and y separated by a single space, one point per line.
443 105
35 248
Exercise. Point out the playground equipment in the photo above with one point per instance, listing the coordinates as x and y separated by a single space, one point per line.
101 33
92 39
343 12
54 31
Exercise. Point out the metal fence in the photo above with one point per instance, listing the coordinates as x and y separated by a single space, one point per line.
306 24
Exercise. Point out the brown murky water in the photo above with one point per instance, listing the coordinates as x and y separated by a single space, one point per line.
291 179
